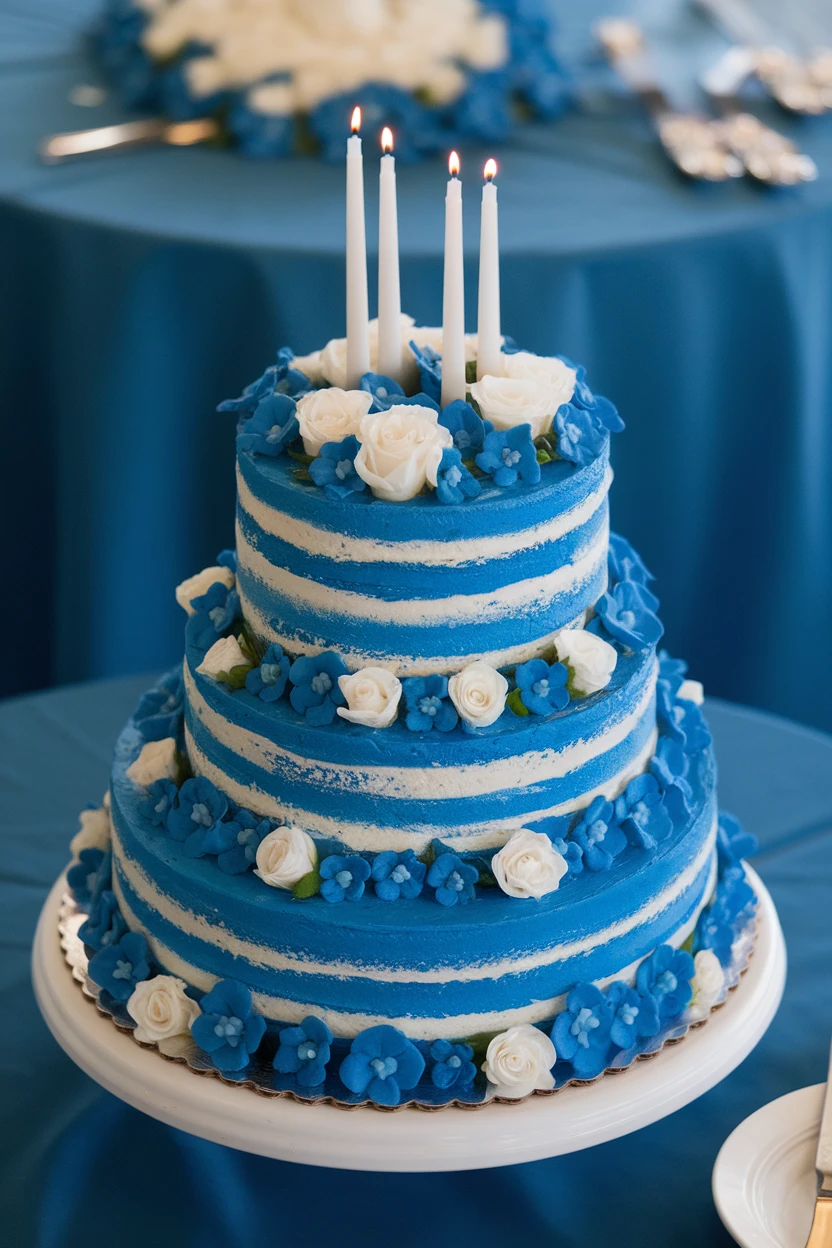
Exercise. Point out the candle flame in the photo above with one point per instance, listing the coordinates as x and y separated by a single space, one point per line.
387 139
490 170
453 164
355 124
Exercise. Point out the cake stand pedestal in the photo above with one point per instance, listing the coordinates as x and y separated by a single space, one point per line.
410 1140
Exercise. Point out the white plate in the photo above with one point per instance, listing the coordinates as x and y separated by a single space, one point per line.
764 1180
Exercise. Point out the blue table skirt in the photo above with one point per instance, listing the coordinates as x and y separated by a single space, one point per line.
79 1168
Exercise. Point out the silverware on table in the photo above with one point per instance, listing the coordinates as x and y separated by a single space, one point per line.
821 1233
59 147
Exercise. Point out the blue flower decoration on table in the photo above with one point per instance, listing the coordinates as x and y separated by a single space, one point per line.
118 967
452 879
452 1064
627 616
334 469
642 814
90 875
509 456
261 135
272 428
542 686
105 925
581 1033
454 483
199 808
158 802
625 564
598 835
733 843
572 852
382 1063
268 680
635 1015
385 391
228 1029
398 875
428 705
242 835
304 1052
429 363
580 438
343 877
315 692
215 612
467 429
666 977
483 110
159 713
415 126
175 98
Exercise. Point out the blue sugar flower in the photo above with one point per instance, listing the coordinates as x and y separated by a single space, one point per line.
88 877
670 767
105 926
454 483
580 439
398 875
334 469
228 559
215 612
304 1052
453 880
598 835
625 564
467 429
452 1064
315 692
428 704
627 616
640 811
261 135
483 110
414 125
635 1015
581 1033
733 843
272 428
158 802
671 671
509 456
343 877
682 721
666 977
199 808
715 932
249 400
243 835
382 1063
429 363
228 1029
385 391
268 680
572 852
734 896
542 686
159 713
118 967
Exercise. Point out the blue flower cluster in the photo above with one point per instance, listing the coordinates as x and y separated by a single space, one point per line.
679 719
627 611
734 901
159 713
216 612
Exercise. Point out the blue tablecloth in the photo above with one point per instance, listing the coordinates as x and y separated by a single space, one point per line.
78 1168
139 290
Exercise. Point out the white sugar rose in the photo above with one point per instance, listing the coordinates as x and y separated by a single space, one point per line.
310 366
520 1061
692 691
162 1009
331 362
94 832
707 984
400 450
223 655
196 586
372 697
157 761
510 401
330 416
590 659
528 865
285 856
548 370
479 694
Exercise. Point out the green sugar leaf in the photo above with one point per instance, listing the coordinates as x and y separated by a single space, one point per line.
515 703
308 885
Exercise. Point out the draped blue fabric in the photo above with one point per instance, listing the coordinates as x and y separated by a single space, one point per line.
79 1168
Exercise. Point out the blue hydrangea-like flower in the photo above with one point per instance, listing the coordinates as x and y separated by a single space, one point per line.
454 483
279 378
452 1064
343 877
428 704
159 713
158 802
542 686
228 559
635 1015
671 671
598 835
580 438
382 1063
733 843
385 391
268 680
415 126
453 880
720 924
670 767
105 926
509 456
228 1029
467 429
715 932
625 564
304 1052
90 875
243 835
215 612
199 808
272 428
641 813
572 852
259 134
581 1033
429 363
315 692
398 875
118 967
627 616
682 721
334 469
666 977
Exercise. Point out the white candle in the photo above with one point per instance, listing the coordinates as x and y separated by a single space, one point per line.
358 316
489 338
389 294
453 296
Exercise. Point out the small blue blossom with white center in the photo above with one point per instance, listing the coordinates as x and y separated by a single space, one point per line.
598 835
635 1015
509 456
334 469
215 612
626 565
199 807
452 1064
315 692
733 843
452 879
119 966
642 814
304 1052
90 875
542 686
467 429
580 437
666 977
428 705
454 483
572 852
627 615
581 1033
159 713
158 802
385 391
397 875
105 925
381 1064
228 1029
343 877
429 363
243 835
271 429
268 680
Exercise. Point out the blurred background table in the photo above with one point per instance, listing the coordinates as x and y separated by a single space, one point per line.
139 290
79 1169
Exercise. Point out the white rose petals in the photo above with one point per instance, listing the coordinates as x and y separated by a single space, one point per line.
528 865
372 697
285 856
330 416
590 659
157 761
162 1009
400 450
196 586
479 694
519 1061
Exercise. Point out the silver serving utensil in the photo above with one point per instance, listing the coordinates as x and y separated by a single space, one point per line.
821 1233
59 147
694 143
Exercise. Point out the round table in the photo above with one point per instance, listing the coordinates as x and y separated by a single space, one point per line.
79 1166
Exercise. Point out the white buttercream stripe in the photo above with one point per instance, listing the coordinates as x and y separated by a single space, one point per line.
341 547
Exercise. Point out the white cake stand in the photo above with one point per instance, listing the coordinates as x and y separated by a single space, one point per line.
410 1140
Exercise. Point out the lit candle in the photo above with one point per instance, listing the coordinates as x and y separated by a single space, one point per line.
358 316
453 296
389 295
489 338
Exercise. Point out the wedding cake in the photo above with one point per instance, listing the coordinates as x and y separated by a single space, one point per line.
424 816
